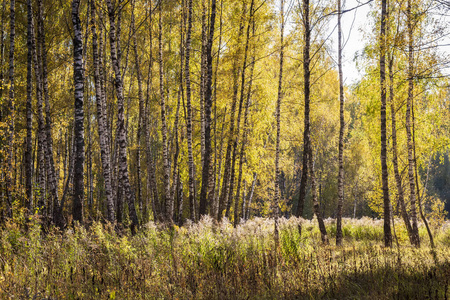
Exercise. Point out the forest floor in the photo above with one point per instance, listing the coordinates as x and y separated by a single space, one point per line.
215 261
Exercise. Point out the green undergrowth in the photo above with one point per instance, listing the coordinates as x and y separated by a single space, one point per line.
208 260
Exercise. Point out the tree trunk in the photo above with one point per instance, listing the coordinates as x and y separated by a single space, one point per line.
383 156
2 54
306 129
341 133
168 211
189 115
175 174
29 112
90 177
78 74
203 71
103 83
42 143
206 171
412 188
278 117
11 109
141 107
215 184
120 131
398 179
105 152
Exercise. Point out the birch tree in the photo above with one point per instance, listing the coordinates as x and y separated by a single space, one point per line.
29 113
124 180
278 121
341 132
105 152
383 156
78 76
206 171
409 102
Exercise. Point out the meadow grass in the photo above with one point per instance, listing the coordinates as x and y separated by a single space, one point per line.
209 260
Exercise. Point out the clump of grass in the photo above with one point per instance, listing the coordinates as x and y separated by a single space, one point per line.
210 260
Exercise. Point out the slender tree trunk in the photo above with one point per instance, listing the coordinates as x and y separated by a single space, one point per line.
41 176
141 107
168 199
118 31
138 166
384 169
90 180
306 129
398 179
203 71
278 120
121 132
42 143
117 184
341 133
215 185
66 153
59 158
105 152
103 83
2 117
29 112
412 188
175 174
138 172
77 208
173 191
206 171
189 114
11 108
2 51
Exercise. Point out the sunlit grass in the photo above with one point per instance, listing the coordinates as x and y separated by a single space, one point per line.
209 260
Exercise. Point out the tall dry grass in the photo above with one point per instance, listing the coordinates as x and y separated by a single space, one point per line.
207 260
